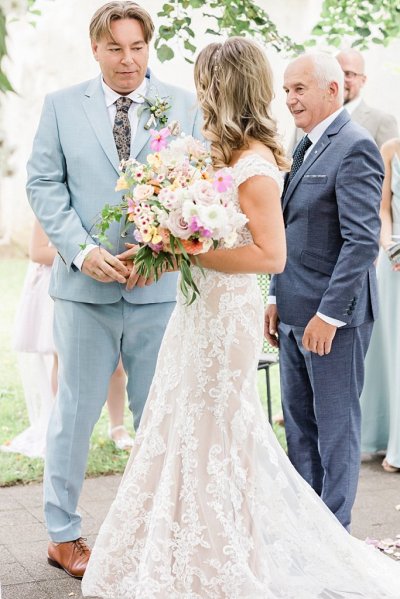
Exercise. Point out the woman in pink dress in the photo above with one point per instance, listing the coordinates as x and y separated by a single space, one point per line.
37 357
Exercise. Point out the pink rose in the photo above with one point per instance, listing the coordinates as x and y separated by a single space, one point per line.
142 192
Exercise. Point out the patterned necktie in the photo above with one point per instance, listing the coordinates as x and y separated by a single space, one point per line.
298 155
122 128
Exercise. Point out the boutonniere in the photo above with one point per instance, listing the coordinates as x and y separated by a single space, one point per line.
158 108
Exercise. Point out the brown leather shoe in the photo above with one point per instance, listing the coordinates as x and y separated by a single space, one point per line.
71 556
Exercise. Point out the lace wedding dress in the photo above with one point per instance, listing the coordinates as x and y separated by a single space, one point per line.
209 506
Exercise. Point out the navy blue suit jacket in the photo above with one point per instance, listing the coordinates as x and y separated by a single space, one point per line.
331 212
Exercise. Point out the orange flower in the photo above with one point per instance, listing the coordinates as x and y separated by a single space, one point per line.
156 186
192 246
164 234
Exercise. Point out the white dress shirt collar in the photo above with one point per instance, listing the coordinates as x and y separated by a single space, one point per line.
316 133
353 104
111 96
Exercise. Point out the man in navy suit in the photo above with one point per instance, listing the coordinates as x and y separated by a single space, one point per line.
326 298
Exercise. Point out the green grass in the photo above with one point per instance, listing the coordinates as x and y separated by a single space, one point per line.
15 468
103 457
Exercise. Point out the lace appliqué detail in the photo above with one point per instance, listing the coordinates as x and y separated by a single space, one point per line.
209 506
254 165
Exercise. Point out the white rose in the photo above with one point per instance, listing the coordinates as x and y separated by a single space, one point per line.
196 148
168 198
177 225
203 192
142 192
162 218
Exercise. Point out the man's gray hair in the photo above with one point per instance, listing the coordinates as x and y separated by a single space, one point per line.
327 69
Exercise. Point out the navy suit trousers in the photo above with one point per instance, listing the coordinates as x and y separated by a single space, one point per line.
320 398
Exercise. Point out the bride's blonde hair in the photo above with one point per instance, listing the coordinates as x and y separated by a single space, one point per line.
234 87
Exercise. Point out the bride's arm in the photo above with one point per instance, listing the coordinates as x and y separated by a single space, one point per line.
260 201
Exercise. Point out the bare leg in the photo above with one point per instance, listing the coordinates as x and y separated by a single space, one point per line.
54 375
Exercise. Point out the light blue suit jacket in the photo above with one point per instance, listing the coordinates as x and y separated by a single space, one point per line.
72 174
331 213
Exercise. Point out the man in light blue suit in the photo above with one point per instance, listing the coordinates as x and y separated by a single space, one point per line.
326 298
102 308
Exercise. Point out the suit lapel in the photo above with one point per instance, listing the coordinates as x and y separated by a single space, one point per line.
96 111
155 88
142 135
315 152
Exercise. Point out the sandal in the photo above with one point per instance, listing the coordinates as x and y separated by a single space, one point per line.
388 467
124 441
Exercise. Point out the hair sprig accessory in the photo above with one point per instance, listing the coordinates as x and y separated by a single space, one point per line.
217 61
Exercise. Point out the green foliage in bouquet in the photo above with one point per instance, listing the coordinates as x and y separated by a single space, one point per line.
149 263
176 206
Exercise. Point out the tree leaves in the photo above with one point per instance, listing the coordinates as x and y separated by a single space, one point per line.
164 53
229 17
363 22
5 85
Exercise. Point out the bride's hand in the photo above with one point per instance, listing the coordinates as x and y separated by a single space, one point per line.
130 253
127 257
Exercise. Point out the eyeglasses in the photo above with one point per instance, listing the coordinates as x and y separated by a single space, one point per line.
352 74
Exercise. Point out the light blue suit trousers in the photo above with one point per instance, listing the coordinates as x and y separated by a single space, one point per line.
89 340
71 175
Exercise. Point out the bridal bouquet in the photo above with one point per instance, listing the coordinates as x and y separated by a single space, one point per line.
177 205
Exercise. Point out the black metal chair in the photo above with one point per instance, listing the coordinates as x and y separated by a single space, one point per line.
270 355
265 362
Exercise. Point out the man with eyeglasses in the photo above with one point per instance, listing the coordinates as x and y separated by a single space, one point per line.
381 125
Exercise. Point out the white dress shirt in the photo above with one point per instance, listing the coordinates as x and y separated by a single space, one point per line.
353 104
137 97
314 136
110 97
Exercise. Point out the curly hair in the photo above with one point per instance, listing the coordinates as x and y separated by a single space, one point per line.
234 87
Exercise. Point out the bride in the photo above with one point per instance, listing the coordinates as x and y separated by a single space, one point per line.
209 506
